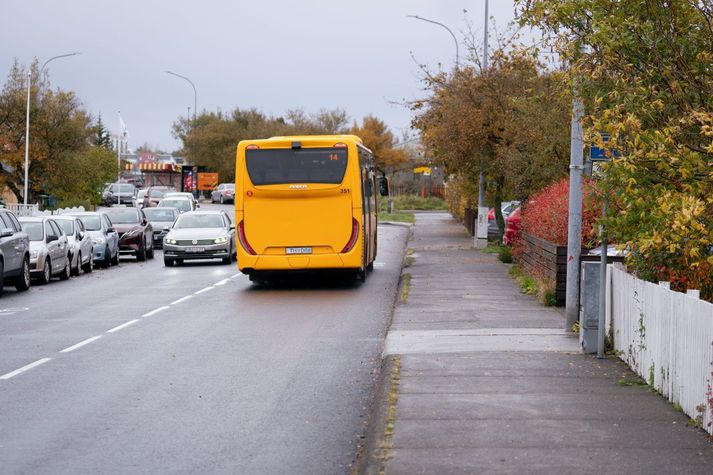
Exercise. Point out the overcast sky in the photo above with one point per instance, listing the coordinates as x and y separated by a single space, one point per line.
272 55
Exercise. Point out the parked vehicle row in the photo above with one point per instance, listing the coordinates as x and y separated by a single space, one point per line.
128 194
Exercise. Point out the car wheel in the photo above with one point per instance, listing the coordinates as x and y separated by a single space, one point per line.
22 281
179 262
46 272
2 278
168 262
89 266
115 259
67 271
107 258
149 252
78 268
141 253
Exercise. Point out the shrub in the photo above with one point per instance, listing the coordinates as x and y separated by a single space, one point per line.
505 254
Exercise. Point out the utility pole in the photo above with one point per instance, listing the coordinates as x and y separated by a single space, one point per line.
481 227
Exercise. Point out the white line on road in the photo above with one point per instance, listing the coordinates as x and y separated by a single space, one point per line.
182 299
222 282
203 290
236 275
25 368
155 311
123 325
81 344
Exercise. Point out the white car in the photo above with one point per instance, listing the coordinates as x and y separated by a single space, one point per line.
49 249
80 244
181 203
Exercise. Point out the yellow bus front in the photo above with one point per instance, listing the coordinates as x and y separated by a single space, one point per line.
298 204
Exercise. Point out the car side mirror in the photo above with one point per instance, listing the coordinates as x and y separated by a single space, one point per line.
52 238
383 186
81 236
231 227
6 232
110 230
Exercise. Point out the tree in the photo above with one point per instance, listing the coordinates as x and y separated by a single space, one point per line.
101 137
378 138
643 70
59 128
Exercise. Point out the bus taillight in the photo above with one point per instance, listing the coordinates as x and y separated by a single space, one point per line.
353 238
252 147
243 240
340 145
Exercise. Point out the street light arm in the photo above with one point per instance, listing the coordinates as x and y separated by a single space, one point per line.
56 57
455 40
195 93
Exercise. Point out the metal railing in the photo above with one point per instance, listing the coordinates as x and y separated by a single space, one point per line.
23 210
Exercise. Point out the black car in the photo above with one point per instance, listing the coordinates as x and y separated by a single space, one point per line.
135 231
161 219
14 252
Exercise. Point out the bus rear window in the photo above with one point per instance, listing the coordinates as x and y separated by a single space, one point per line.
304 165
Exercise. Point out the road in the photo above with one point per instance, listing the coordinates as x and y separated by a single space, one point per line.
148 369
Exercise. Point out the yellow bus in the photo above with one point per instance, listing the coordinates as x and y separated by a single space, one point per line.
306 203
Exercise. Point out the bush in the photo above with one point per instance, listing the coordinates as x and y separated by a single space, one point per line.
505 254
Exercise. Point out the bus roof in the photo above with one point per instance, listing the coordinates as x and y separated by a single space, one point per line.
318 137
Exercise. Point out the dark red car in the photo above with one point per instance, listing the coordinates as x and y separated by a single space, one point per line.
135 231
512 227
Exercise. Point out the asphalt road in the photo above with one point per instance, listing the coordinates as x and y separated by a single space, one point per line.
147 369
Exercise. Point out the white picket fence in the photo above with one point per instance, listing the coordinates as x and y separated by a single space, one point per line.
667 338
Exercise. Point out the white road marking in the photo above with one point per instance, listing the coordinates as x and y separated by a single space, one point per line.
155 311
236 275
378 265
25 368
222 282
182 299
81 344
203 290
123 325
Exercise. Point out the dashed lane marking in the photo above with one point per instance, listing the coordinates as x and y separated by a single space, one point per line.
155 311
25 368
203 290
123 325
81 344
182 299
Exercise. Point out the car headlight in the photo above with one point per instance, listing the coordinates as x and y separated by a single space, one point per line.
34 253
221 240
170 241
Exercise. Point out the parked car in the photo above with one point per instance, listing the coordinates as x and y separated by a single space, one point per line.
105 239
506 207
223 193
14 252
161 219
154 194
135 232
182 204
140 195
80 244
200 235
185 194
49 248
512 227
119 193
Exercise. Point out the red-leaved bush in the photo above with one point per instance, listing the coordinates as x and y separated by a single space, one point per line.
545 215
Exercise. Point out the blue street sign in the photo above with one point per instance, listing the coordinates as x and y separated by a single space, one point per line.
597 154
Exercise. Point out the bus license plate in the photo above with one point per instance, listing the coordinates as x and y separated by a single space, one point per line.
298 250
195 249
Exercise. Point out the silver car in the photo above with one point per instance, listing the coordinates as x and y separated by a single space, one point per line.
49 249
80 244
105 239
200 235
223 193
181 203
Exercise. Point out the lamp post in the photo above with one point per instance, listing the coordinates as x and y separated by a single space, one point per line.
195 94
481 241
455 40
27 118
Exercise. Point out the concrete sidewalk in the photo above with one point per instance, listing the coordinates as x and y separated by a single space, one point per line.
483 379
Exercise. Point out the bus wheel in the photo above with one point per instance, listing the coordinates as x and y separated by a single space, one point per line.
361 275
370 267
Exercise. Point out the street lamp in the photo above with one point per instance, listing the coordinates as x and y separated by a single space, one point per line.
195 94
27 118
455 40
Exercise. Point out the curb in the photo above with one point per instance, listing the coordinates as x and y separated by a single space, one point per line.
397 223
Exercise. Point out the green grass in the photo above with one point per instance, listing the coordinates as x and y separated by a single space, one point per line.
412 202
492 248
397 217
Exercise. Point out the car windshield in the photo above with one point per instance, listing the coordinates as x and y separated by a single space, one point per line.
126 188
182 204
67 225
91 223
33 230
155 214
199 221
229 186
123 216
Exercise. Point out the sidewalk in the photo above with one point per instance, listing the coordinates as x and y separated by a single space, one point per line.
488 382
